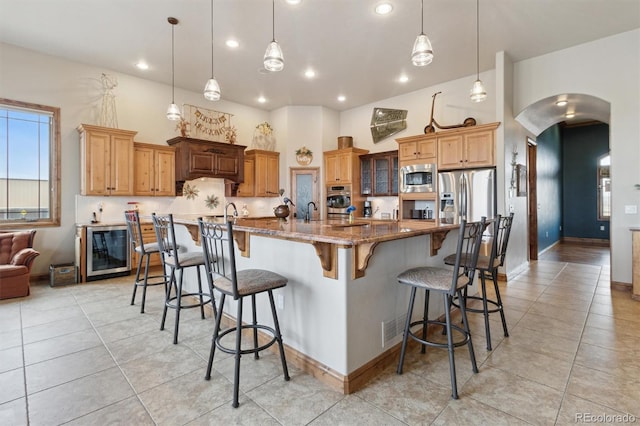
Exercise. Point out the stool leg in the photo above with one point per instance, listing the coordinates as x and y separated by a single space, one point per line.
135 284
178 307
200 292
425 320
147 256
256 355
452 361
236 374
494 274
276 327
407 325
485 308
216 331
465 323
167 300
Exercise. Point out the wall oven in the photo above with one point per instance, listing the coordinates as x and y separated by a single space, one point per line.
107 252
338 199
418 178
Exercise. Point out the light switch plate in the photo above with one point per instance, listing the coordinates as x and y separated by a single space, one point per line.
631 209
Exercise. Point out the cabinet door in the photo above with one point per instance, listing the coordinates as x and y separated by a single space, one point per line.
273 176
427 149
97 171
366 183
165 173
121 165
246 189
143 161
226 165
408 151
450 152
381 172
332 168
394 175
344 174
479 150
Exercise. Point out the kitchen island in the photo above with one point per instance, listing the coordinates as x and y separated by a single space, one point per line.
342 312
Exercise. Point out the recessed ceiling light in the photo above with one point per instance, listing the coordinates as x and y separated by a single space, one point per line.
570 115
232 43
262 99
142 65
342 98
294 1
561 102
383 8
309 73
403 79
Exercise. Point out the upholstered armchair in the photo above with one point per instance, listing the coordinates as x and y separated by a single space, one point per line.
16 258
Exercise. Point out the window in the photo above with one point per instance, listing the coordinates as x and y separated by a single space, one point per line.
29 165
604 187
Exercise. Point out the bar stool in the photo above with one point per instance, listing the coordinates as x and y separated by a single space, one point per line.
220 264
144 250
172 259
450 283
487 268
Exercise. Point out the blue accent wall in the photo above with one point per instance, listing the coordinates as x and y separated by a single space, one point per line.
581 147
549 186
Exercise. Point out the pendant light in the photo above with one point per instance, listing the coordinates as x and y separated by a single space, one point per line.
422 53
212 88
478 92
173 112
273 58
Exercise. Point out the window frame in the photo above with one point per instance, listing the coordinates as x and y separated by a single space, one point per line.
54 169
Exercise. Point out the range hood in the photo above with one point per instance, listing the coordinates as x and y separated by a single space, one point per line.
197 158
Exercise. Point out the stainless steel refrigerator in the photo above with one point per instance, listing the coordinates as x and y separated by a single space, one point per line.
469 193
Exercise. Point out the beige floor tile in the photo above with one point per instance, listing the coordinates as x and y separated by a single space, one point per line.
515 395
128 328
247 414
352 410
551 325
186 398
542 342
433 365
563 314
613 324
63 369
32 317
53 300
297 401
609 390
77 398
566 292
10 315
61 345
468 411
10 359
621 362
620 340
576 410
14 413
141 346
12 385
10 339
55 329
129 411
253 373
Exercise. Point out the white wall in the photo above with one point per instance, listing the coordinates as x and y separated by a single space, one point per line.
75 88
609 69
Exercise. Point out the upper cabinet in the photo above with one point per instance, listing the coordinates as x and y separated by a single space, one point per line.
154 168
342 166
106 157
421 147
196 158
467 147
261 174
379 174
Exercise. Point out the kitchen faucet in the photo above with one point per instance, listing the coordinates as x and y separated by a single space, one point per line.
307 216
235 211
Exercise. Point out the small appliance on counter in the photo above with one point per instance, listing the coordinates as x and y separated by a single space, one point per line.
367 209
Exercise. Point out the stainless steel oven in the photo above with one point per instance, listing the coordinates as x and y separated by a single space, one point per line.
418 178
108 252
338 199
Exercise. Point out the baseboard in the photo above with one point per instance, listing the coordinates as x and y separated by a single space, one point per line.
548 248
620 286
600 242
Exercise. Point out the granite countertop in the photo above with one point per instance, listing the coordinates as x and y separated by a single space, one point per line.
328 231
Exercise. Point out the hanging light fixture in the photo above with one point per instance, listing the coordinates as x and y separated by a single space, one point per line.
422 53
212 88
478 92
173 112
273 58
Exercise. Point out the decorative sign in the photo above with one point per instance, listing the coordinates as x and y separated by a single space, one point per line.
386 122
202 123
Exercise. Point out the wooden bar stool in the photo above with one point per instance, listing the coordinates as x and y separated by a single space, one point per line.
449 283
220 264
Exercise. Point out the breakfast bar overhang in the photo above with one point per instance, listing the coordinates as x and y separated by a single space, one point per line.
343 311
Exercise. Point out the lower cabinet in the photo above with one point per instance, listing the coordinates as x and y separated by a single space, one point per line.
261 174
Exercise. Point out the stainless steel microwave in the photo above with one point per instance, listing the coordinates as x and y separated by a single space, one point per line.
418 178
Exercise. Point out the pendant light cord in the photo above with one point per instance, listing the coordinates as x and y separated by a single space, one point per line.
422 17
211 38
173 68
477 39
273 20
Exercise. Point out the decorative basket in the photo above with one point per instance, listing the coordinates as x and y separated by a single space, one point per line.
345 142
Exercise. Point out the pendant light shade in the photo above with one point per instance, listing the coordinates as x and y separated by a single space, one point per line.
478 92
173 112
212 88
422 53
273 57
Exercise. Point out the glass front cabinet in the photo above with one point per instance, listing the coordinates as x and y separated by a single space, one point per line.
379 174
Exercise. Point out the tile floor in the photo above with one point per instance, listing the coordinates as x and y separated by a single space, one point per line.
82 355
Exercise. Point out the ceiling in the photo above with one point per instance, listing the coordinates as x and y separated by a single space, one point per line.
353 51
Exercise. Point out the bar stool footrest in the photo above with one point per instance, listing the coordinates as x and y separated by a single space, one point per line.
478 310
206 299
261 348
458 343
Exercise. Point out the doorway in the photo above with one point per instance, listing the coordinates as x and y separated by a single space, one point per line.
532 177
305 189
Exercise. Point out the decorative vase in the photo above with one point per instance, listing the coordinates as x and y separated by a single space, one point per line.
281 211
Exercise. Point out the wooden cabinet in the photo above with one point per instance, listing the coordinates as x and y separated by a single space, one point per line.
261 174
379 174
154 170
467 149
106 157
148 236
342 166
421 147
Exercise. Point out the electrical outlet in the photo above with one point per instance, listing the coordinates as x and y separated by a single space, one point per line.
631 209
602 227
546 234
279 301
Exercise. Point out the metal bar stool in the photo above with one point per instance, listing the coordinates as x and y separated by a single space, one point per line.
220 264
144 250
487 268
450 283
172 259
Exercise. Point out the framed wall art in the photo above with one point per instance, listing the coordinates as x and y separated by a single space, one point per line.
521 180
